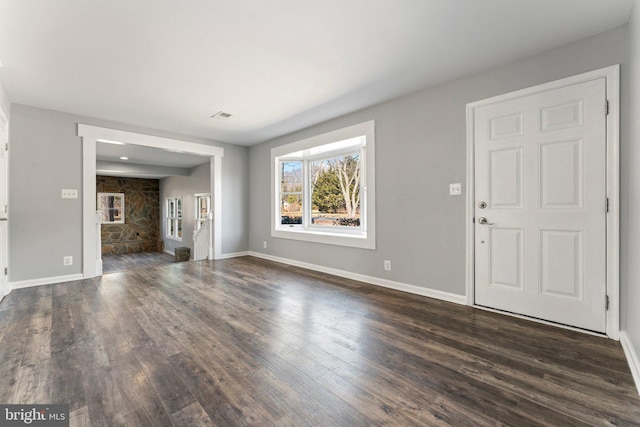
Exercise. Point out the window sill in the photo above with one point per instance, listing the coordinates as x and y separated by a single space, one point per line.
363 241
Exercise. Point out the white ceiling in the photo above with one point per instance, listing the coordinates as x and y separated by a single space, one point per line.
140 155
277 66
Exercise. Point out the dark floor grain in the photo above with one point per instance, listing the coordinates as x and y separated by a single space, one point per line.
112 263
250 342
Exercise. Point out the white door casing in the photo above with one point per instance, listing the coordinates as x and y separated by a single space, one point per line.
4 203
542 161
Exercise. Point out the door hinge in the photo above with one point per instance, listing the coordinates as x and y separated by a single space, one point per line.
606 108
6 271
6 208
606 205
6 147
606 302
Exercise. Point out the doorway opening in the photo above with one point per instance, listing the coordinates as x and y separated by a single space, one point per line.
91 135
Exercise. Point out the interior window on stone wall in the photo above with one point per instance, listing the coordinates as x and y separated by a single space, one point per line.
174 218
111 206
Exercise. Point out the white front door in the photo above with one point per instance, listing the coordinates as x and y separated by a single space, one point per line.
540 205
4 202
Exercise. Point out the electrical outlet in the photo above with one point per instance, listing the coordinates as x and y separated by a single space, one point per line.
455 189
69 193
264 244
387 265
68 260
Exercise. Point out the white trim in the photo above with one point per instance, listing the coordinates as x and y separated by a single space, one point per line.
404 287
234 255
632 357
216 188
90 135
45 281
612 76
125 137
170 252
4 116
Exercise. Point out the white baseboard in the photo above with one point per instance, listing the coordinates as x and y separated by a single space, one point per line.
45 281
170 252
233 255
413 289
632 357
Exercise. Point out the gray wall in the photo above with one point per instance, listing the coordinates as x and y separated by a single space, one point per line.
183 186
4 101
631 247
420 149
46 156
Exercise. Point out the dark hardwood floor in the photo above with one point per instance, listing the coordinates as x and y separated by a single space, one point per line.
133 261
249 342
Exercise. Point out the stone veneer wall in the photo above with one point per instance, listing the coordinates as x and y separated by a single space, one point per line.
140 231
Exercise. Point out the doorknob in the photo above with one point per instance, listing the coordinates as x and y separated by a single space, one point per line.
482 220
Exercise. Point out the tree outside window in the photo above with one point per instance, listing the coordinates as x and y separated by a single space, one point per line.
324 188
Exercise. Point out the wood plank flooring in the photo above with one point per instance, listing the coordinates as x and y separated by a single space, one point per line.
113 263
250 342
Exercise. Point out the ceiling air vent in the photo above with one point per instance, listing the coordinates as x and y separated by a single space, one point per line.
221 115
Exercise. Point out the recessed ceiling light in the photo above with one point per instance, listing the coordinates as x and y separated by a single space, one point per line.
221 115
124 158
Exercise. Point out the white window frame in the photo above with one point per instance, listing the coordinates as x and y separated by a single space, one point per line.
198 220
173 218
101 208
318 148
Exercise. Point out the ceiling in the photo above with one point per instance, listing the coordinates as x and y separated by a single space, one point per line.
144 162
277 66
141 155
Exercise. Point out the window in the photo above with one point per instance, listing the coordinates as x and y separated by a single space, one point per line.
203 209
111 206
174 218
324 188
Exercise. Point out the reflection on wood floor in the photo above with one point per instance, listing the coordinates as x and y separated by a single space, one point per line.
250 342
113 263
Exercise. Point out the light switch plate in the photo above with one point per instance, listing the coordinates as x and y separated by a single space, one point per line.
455 189
69 193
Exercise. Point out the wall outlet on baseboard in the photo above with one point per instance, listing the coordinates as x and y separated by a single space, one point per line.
68 260
264 244
387 265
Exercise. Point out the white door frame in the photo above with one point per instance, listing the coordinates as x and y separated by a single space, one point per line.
612 76
5 118
91 262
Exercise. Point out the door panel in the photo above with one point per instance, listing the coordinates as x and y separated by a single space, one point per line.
506 178
506 257
561 253
540 169
561 174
